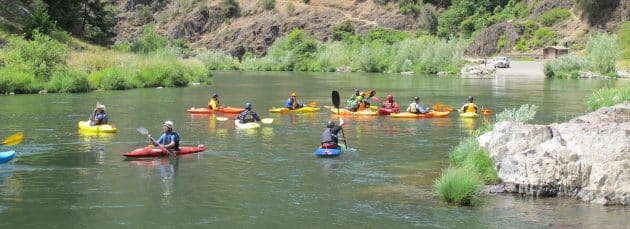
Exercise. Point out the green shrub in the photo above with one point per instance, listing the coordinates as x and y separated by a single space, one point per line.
144 13
602 52
623 40
229 8
39 57
564 65
554 16
544 36
388 36
149 41
606 97
460 186
479 161
15 80
269 4
523 114
373 58
114 78
459 154
218 61
72 81
342 30
122 46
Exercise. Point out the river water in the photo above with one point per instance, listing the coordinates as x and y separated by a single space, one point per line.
269 177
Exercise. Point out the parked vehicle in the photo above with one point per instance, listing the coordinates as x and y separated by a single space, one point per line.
501 62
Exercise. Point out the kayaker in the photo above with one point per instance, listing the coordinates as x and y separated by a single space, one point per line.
214 102
330 137
416 107
99 117
353 98
292 102
169 138
469 106
391 104
242 117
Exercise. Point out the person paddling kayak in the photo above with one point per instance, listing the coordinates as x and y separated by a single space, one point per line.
391 104
416 107
169 138
351 101
330 136
99 117
292 103
214 102
242 117
469 107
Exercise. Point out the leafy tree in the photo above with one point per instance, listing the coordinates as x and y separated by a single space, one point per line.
596 9
91 19
39 21
343 30
149 41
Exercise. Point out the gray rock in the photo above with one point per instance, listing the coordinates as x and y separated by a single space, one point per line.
587 158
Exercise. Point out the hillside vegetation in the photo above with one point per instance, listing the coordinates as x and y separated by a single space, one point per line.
74 46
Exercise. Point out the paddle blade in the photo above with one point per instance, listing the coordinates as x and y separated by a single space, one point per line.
313 104
14 139
372 93
335 98
486 111
142 130
222 118
267 120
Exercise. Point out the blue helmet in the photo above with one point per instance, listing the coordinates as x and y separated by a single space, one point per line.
248 106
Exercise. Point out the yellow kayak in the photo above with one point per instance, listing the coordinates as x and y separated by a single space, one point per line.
468 115
301 110
432 114
85 126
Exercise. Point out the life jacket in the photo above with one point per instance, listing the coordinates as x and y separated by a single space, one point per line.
329 137
294 104
470 107
167 139
213 104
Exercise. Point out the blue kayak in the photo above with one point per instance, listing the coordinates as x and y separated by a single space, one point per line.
6 156
330 152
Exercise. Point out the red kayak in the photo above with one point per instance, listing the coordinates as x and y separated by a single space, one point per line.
205 110
385 111
151 151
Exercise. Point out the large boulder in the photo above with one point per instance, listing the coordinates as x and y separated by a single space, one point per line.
587 158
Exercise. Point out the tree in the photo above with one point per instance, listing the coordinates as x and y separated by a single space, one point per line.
91 19
39 21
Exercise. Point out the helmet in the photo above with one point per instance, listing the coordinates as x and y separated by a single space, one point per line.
215 95
248 106
100 106
470 98
330 124
390 97
362 94
168 124
293 94
417 98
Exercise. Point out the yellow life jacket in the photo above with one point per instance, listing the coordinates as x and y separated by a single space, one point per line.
213 104
471 108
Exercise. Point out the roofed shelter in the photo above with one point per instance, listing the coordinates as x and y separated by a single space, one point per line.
553 52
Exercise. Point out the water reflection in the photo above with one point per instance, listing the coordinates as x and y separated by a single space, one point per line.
167 167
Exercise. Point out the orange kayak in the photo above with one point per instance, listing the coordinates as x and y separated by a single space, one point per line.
432 114
205 110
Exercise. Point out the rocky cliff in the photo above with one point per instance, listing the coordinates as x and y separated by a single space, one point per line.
587 158
205 25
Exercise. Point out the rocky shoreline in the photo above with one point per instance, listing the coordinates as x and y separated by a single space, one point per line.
587 157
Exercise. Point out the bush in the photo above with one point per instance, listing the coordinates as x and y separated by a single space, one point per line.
524 114
543 37
39 57
114 78
606 97
214 60
564 65
229 8
459 185
342 31
602 52
554 16
15 80
149 41
72 81
269 4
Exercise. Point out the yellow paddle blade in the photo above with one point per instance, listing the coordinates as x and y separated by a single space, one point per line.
267 120
14 139
486 111
313 104
222 118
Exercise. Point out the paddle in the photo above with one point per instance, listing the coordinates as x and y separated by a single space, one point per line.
13 139
145 132
313 104
264 120
335 100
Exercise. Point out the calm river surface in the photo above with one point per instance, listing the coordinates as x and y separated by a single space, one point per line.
269 178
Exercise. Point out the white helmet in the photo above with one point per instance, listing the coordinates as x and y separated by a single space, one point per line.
100 106
169 124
